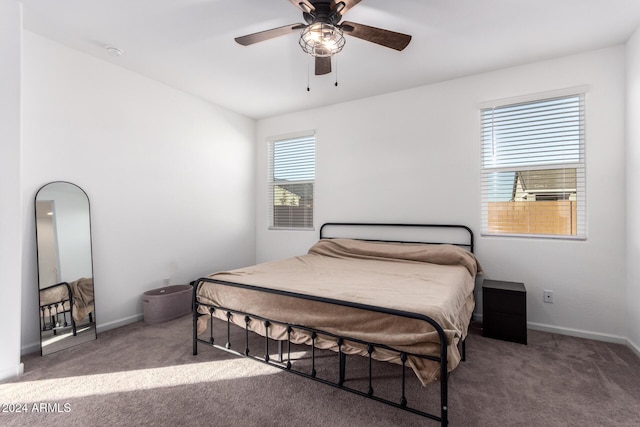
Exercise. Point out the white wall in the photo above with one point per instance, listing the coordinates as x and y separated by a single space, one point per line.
413 156
169 177
10 197
633 190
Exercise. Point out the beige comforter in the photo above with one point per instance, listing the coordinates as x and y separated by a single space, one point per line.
82 290
433 280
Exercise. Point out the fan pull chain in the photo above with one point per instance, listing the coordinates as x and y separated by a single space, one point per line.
335 66
308 61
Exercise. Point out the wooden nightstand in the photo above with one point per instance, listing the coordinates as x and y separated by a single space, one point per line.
504 311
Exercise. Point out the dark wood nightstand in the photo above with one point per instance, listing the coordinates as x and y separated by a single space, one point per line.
504 311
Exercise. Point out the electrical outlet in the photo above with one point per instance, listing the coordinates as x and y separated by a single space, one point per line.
548 296
166 281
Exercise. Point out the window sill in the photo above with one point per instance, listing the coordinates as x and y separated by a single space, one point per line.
535 236
291 228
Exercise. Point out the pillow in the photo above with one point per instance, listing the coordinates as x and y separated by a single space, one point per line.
443 254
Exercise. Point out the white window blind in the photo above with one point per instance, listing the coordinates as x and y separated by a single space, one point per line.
291 181
533 177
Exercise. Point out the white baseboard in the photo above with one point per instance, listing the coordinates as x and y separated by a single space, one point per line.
103 327
634 347
12 372
579 333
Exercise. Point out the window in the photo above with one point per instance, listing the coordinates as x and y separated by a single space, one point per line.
291 181
533 179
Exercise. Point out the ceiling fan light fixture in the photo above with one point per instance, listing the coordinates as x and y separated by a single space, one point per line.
322 39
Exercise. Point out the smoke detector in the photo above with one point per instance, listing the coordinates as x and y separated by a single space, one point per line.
114 51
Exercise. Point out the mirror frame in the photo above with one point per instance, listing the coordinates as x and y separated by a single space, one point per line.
88 330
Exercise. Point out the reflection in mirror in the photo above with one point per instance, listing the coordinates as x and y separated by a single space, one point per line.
65 267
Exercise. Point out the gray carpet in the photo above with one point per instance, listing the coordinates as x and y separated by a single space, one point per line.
142 375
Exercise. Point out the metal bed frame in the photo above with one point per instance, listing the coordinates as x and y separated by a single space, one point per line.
285 363
58 306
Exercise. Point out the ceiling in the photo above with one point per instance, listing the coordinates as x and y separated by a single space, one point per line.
189 44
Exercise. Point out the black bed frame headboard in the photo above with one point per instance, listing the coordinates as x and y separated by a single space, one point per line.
459 235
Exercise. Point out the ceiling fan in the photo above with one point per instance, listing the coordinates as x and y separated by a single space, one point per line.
323 34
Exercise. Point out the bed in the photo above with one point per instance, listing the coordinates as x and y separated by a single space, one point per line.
66 304
406 302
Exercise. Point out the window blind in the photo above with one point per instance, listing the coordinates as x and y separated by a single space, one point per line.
291 182
533 177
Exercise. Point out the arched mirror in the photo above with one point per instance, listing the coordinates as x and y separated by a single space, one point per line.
65 267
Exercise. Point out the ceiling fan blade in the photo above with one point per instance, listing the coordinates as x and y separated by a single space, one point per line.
391 39
323 65
303 5
348 4
268 34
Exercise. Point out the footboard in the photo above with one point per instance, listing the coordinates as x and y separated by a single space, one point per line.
53 308
285 360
